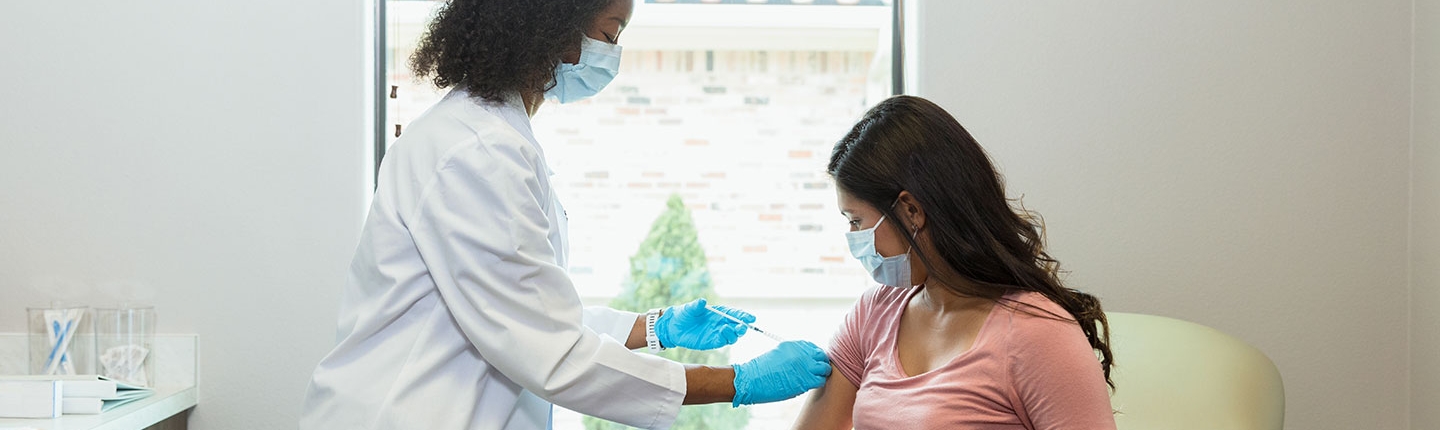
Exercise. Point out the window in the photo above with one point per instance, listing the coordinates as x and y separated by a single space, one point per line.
733 105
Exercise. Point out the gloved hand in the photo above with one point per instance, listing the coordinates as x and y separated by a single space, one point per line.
692 326
787 371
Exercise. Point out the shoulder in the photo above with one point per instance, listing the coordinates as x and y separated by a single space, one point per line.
1039 333
461 129
1031 319
876 309
881 299
464 152
1030 307
874 313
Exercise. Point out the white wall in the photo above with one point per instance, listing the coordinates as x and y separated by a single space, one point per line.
212 152
1239 164
1425 222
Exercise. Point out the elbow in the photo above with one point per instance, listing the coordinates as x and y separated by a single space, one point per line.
555 369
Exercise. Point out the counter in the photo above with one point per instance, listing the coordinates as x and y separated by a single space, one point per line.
177 389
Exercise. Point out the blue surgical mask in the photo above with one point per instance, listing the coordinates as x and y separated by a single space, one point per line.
599 63
892 271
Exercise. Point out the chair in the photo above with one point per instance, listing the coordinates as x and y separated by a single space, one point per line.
1176 375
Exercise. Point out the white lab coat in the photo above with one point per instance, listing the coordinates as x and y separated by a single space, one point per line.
458 312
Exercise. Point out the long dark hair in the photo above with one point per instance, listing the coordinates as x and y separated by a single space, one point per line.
910 144
495 47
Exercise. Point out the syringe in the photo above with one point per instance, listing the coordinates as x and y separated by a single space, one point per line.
742 322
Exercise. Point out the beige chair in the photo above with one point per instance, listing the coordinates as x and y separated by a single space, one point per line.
1177 375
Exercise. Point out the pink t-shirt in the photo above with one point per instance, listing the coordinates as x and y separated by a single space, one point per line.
1022 372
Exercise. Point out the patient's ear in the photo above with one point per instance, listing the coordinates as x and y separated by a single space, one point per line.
910 211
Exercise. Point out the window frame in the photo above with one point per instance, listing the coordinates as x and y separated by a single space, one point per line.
384 89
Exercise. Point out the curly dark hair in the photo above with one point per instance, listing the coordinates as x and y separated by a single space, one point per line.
492 48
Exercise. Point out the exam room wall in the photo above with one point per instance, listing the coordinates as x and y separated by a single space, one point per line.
206 157
1243 165
1425 222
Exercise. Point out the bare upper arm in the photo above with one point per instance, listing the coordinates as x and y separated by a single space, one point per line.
830 407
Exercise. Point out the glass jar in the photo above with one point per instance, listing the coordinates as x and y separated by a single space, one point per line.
62 341
124 344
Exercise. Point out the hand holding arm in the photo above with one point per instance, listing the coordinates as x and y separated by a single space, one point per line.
787 371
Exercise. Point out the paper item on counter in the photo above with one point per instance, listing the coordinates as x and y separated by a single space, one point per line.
88 394
93 405
82 405
30 399
126 363
83 385
97 388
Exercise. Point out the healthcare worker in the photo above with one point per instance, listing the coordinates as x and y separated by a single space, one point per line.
458 312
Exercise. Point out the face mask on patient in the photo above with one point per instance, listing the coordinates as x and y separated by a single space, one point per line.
892 271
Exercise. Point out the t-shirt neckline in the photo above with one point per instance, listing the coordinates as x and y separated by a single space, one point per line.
894 340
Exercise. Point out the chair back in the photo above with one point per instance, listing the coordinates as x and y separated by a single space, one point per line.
1176 375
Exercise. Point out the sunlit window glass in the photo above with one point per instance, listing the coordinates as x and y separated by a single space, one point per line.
729 108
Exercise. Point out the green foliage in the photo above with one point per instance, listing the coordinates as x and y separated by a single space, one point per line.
670 269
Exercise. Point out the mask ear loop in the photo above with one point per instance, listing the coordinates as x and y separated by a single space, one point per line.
914 237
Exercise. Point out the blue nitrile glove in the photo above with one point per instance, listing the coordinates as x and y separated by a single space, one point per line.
692 326
787 371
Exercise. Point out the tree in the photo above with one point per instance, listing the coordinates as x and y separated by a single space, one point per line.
670 269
